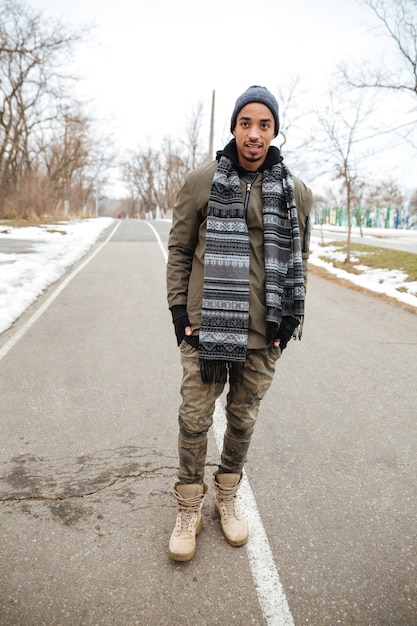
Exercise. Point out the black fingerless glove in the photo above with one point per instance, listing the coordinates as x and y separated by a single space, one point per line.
285 331
180 321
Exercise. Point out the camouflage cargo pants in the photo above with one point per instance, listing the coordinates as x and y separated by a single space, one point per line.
196 412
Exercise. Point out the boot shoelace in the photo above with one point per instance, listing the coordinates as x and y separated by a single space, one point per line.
230 506
186 520
188 512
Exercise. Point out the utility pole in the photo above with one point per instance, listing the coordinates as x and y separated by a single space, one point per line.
210 152
96 181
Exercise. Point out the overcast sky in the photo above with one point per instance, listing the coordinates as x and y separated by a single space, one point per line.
153 61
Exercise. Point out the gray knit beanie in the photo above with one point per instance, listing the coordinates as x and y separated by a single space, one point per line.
256 94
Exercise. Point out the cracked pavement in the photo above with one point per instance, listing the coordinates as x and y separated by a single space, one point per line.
26 478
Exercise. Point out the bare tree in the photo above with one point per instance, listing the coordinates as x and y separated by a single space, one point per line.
32 86
384 195
291 110
337 142
197 150
398 21
140 173
175 166
293 140
154 177
412 208
66 158
357 191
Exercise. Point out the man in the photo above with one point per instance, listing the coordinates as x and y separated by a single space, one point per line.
236 274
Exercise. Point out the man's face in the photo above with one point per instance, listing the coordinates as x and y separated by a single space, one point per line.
254 131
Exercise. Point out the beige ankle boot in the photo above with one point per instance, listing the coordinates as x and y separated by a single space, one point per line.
233 523
182 544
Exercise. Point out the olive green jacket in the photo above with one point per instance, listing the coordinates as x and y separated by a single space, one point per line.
186 246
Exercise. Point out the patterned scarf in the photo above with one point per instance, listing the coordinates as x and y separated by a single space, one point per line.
225 310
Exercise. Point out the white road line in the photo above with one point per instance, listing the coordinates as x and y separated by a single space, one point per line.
39 312
270 591
159 240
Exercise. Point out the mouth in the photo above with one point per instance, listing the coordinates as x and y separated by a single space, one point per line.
253 148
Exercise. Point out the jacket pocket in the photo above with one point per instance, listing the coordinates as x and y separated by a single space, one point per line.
187 348
274 352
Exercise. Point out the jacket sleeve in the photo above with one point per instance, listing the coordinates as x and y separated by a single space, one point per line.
182 242
304 202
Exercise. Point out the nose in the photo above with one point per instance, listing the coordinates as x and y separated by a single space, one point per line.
254 132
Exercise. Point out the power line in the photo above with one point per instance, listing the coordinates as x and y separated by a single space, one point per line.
323 19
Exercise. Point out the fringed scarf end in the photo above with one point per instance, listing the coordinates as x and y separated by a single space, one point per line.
217 372
299 330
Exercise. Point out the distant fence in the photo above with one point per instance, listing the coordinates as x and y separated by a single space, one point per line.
370 218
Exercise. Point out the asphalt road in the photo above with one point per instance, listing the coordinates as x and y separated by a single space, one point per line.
404 240
88 436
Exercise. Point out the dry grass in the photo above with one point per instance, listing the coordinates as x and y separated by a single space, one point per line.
35 221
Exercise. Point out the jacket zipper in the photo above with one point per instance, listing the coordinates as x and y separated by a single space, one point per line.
247 195
306 233
249 184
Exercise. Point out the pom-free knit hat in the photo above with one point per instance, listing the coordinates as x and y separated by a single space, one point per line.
256 94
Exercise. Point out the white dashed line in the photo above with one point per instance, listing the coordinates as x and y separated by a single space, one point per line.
270 592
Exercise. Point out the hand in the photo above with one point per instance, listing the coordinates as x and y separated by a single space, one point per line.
182 328
285 332
181 322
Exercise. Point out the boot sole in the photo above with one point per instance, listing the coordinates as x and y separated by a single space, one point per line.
189 555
